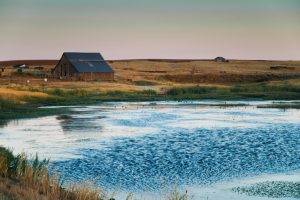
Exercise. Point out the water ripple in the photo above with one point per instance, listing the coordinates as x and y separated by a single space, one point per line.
199 156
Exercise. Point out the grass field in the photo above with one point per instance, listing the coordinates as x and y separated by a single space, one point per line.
161 75
147 80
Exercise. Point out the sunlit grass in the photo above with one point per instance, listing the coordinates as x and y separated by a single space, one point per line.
33 176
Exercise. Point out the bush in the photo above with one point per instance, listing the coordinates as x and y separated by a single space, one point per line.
148 92
57 92
115 93
189 90
79 92
144 83
7 104
263 87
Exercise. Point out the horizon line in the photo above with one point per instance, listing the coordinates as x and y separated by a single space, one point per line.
161 59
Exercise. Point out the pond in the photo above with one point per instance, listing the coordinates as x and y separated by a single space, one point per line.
205 147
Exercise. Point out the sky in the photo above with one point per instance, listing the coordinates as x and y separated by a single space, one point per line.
132 29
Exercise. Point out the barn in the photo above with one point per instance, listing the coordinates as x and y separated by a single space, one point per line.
83 66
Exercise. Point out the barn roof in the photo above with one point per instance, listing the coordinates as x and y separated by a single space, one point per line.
88 62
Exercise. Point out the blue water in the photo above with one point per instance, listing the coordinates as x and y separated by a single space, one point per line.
198 157
139 146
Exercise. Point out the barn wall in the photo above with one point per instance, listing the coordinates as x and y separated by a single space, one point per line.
93 76
65 70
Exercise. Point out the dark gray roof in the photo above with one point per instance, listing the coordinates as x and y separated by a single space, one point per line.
88 62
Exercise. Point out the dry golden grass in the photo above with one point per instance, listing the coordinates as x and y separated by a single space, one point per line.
150 70
33 181
163 74
20 95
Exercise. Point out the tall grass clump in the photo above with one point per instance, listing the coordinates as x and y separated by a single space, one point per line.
145 83
7 104
189 90
267 91
79 92
148 92
264 87
57 92
31 179
7 162
115 93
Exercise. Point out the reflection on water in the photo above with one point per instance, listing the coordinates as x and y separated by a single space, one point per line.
134 146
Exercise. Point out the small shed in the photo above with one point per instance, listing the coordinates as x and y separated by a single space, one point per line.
83 66
220 59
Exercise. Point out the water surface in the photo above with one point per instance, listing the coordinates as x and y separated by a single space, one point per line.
140 146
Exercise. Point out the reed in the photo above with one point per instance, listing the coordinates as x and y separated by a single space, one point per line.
33 176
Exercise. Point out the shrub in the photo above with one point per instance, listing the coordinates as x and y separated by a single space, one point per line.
114 93
144 83
263 87
79 92
7 104
57 92
189 90
148 92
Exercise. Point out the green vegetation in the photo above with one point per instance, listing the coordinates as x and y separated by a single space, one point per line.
260 91
28 107
144 83
10 109
193 90
273 189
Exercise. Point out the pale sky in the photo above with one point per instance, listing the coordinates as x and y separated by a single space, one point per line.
124 29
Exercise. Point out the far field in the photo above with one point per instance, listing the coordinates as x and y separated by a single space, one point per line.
158 75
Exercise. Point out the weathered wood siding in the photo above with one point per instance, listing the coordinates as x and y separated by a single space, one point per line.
65 70
93 76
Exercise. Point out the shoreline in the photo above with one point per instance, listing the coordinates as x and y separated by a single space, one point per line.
33 109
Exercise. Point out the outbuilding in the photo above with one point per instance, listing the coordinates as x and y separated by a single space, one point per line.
83 66
220 59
